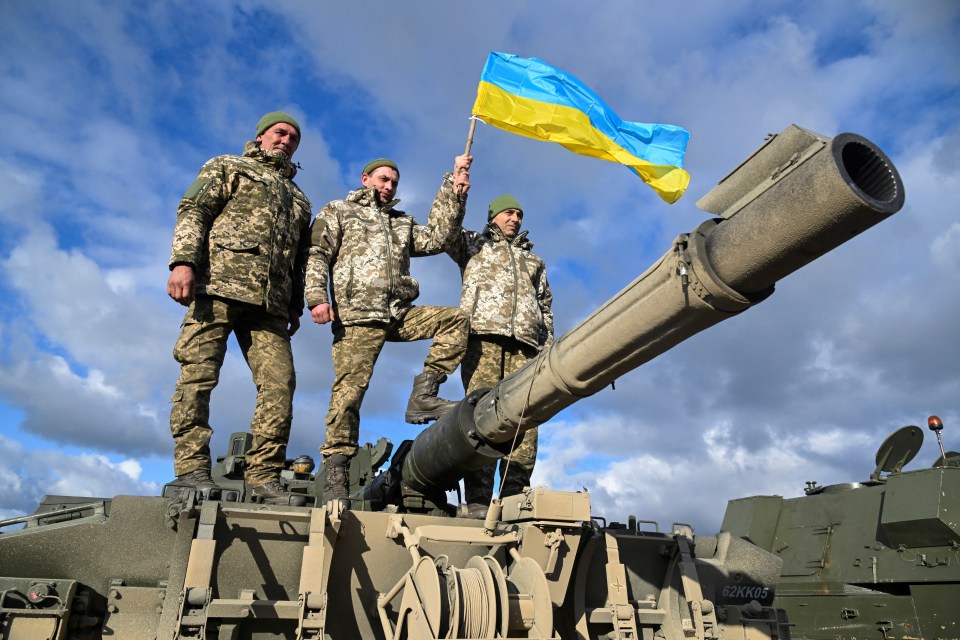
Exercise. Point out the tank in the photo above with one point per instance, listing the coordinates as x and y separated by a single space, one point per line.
394 561
879 558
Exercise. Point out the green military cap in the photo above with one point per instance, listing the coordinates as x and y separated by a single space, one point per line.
381 162
273 118
502 203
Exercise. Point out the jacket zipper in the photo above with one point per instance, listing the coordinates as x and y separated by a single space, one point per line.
386 232
516 285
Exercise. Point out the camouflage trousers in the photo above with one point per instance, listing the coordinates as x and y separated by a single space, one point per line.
488 360
200 350
355 352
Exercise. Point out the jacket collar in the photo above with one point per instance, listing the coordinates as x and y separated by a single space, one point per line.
495 233
279 161
368 198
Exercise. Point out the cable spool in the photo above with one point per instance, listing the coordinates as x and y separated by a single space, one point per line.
477 599
474 612
481 601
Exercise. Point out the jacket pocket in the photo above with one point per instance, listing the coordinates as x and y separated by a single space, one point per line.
237 264
238 245
302 209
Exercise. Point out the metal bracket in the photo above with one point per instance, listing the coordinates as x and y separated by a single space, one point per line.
197 606
623 615
314 574
703 617
552 540
197 593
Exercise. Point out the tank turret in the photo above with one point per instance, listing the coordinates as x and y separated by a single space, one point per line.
390 563
871 559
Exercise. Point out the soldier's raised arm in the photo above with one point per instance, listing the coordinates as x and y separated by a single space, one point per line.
446 214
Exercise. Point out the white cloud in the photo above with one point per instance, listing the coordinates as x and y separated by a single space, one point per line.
945 251
93 382
693 484
29 474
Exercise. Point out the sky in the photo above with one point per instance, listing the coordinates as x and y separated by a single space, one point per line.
111 107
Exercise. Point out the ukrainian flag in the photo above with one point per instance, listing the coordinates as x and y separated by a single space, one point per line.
529 97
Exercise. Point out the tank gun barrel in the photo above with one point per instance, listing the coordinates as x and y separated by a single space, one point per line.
799 196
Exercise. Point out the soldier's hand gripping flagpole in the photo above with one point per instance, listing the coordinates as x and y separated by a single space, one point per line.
466 151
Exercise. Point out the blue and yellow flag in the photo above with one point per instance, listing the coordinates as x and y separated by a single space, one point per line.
529 97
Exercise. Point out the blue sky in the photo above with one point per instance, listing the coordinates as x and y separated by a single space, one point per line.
110 109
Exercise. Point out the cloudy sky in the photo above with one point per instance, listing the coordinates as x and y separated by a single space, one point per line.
110 108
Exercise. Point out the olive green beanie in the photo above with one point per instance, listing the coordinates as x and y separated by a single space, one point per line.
273 118
502 203
373 165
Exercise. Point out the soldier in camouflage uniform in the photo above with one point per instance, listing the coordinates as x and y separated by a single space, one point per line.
505 289
239 250
361 246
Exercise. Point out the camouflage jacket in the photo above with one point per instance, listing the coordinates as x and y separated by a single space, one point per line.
243 227
367 247
505 288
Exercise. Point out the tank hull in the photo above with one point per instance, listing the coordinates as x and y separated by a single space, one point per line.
162 568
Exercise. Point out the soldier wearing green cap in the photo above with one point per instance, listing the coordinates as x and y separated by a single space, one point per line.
239 251
358 277
506 291
276 117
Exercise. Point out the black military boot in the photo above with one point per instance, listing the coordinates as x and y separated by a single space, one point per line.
424 405
273 493
336 477
478 491
199 479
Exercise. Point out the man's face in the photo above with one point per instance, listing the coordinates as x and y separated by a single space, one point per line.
280 137
509 221
384 180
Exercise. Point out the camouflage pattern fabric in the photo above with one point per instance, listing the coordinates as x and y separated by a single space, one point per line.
488 360
505 289
244 227
367 247
200 350
355 351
